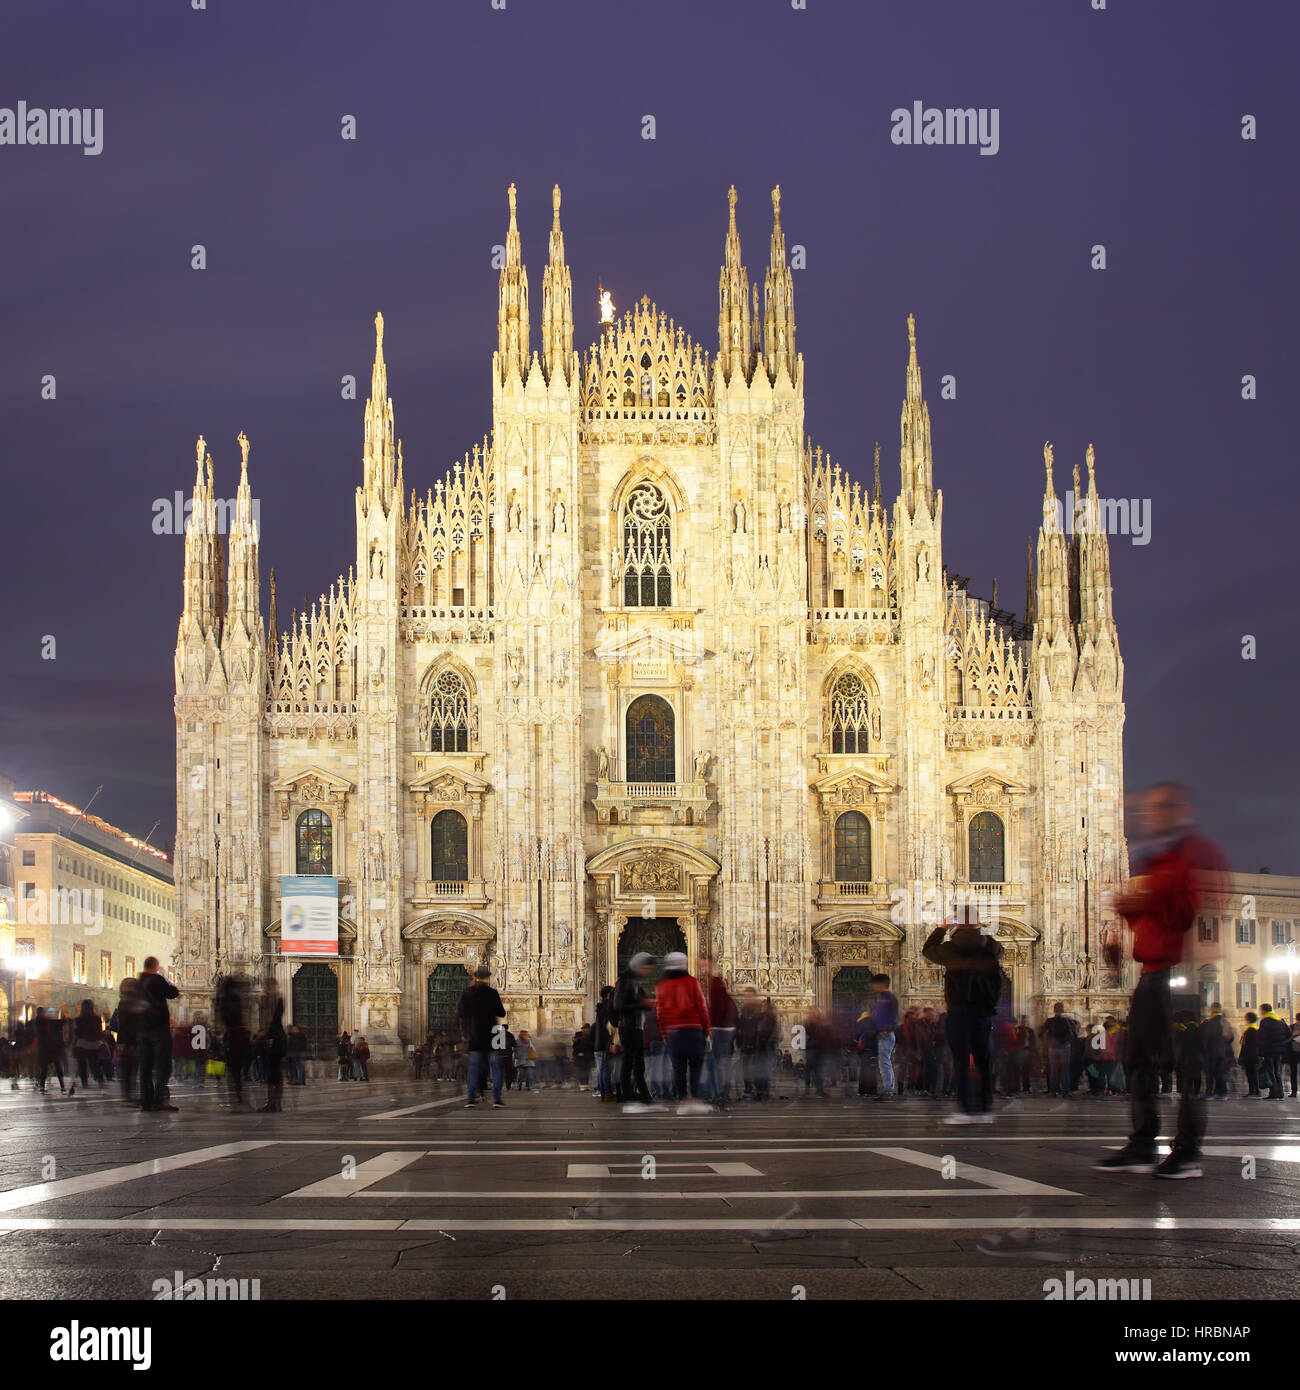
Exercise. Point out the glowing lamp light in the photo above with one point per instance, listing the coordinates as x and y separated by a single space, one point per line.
31 966
6 819
1282 965
1178 983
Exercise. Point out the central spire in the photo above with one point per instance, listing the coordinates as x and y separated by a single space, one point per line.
778 316
381 433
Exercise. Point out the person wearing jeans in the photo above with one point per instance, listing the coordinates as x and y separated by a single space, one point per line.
683 1019
885 1020
482 1017
722 1020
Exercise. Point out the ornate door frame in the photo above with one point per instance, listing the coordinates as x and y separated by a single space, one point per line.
670 879
855 938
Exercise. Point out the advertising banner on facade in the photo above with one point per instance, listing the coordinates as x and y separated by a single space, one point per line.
309 915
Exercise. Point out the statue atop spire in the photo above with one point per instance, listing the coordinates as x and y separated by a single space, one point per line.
557 304
916 454
778 315
512 307
735 340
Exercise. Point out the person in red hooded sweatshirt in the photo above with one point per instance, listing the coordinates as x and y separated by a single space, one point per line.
1174 870
683 1019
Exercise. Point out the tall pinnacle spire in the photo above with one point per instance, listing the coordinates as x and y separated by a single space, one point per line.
734 334
875 480
381 434
916 455
778 315
512 306
1053 597
1095 605
243 587
557 303
204 581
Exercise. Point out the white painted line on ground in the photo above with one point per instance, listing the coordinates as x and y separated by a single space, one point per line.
596 1195
1003 1184
373 1170
414 1109
1161 1224
110 1177
636 1170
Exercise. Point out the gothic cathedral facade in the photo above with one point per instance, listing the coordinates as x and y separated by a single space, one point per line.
645 670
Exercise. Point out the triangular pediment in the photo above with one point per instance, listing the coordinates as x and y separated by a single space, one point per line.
988 779
646 644
439 777
851 777
329 780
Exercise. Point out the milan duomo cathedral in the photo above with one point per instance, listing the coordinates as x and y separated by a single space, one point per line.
645 670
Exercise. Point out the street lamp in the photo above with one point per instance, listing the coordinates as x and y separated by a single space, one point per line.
29 967
1285 965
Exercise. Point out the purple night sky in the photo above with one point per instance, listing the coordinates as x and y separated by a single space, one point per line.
222 127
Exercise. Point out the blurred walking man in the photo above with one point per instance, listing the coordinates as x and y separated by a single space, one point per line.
1176 870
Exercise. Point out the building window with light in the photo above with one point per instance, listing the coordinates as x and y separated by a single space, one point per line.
78 965
315 843
647 549
1245 931
105 969
853 848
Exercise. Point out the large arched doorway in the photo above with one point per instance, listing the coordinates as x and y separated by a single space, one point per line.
851 992
316 1007
446 984
657 935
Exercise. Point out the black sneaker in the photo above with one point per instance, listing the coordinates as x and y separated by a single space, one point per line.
1127 1160
1179 1165
470 1104
498 1105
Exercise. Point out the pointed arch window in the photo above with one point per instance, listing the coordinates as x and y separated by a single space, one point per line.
651 748
647 549
987 841
853 848
850 715
449 847
449 714
315 843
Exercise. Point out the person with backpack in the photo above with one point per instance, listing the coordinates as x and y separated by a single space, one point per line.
972 989
601 1031
155 1038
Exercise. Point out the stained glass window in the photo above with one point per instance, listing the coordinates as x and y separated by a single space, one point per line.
853 848
650 754
987 851
850 715
647 549
315 843
449 845
449 715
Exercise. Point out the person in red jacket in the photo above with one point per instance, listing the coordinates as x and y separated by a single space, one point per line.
1173 873
683 1019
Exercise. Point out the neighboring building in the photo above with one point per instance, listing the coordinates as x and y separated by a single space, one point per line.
1237 939
89 900
645 670
11 813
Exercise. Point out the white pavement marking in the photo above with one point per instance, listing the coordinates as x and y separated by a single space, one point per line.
414 1109
1003 1184
110 1177
565 1194
635 1170
1161 1224
373 1170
